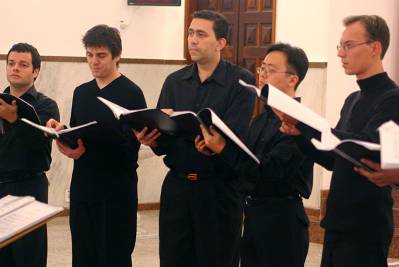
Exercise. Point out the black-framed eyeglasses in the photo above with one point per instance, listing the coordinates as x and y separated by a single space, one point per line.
348 46
268 71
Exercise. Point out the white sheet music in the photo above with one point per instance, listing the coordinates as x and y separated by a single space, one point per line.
23 217
389 139
10 203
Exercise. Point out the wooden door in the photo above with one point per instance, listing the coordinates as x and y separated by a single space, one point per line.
251 30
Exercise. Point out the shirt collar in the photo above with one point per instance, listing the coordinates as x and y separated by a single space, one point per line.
31 93
219 75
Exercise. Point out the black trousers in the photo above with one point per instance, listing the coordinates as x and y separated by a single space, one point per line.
199 223
30 250
275 234
342 250
103 233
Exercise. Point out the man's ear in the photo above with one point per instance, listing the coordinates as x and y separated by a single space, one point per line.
118 57
222 42
36 73
293 80
376 48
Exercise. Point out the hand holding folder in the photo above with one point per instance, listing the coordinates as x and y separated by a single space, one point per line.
67 136
24 109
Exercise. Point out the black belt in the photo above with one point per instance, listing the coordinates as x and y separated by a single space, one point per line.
19 177
257 201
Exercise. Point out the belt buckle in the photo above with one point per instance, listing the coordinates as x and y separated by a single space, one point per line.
192 176
248 201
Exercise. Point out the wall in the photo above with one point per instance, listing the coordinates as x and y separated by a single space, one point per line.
304 24
56 27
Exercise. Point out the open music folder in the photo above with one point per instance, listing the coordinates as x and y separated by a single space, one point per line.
351 150
68 136
180 123
21 215
25 110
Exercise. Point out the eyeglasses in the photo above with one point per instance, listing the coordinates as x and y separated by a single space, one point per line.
348 46
268 71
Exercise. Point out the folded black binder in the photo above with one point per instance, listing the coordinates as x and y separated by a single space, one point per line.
353 152
25 110
68 136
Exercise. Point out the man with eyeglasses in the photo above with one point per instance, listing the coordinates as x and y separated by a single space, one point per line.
358 220
275 224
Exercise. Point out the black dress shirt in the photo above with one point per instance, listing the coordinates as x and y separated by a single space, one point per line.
24 149
183 91
283 169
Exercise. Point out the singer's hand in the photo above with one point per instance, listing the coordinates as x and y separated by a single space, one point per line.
8 112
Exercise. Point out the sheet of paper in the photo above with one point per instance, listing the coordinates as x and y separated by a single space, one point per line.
334 142
226 130
116 109
25 217
11 203
291 107
389 139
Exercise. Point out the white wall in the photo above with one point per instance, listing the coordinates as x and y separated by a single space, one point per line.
304 24
56 27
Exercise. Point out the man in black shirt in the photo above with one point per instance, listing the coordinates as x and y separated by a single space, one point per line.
358 221
275 224
200 214
25 153
104 180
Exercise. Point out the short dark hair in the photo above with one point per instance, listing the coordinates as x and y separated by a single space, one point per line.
297 61
103 35
220 25
27 48
376 28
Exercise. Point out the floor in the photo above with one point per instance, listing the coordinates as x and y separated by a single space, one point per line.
146 251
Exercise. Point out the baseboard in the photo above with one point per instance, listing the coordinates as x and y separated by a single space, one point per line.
148 206
141 206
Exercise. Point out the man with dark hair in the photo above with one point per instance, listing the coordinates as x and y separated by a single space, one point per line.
25 153
358 220
275 225
200 214
104 181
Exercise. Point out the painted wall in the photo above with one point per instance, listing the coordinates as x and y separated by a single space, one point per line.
56 27
304 24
